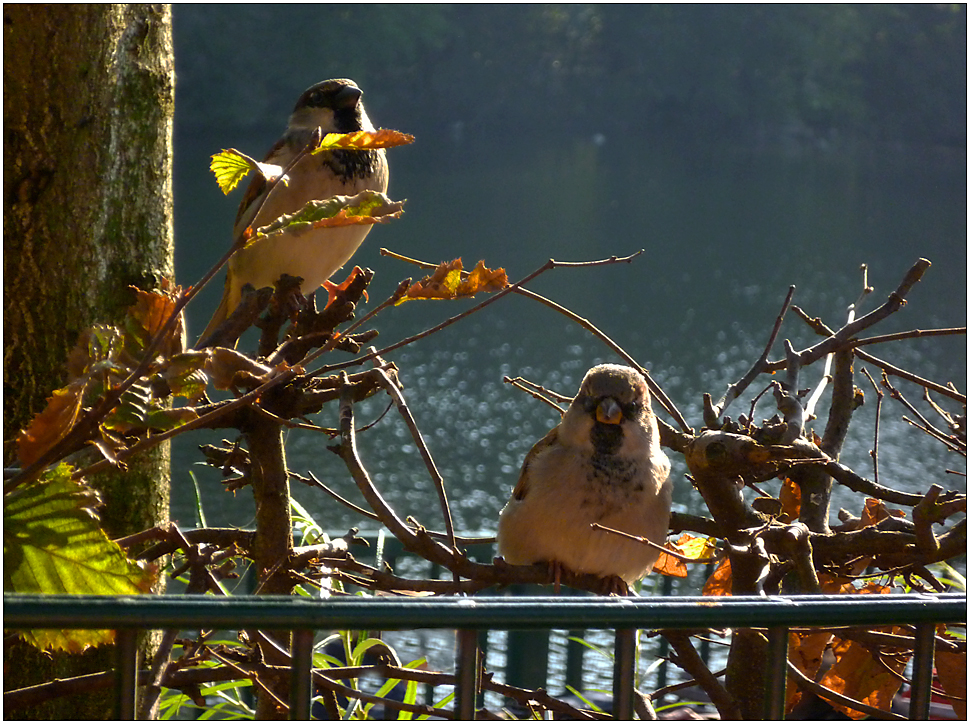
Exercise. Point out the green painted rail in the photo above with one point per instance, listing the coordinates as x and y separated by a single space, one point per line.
625 615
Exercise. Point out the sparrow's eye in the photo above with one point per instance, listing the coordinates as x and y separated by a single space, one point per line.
631 411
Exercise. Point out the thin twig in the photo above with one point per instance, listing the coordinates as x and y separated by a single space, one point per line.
656 546
735 390
821 328
518 288
874 453
911 334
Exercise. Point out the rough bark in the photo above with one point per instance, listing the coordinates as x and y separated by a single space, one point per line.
88 103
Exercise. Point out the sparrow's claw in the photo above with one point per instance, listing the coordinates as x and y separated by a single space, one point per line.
555 570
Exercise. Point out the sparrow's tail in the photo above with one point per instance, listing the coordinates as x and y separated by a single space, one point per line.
222 312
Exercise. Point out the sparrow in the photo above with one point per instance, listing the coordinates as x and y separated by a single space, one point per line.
602 464
333 106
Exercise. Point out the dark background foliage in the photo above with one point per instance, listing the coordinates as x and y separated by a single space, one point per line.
750 73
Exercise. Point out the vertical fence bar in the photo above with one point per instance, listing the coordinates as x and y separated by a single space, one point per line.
301 675
921 690
126 640
777 673
466 674
624 672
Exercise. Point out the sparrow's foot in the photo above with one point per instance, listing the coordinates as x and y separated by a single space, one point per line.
555 570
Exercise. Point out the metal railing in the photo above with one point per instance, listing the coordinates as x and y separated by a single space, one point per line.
303 616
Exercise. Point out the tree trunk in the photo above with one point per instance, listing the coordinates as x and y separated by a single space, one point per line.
88 103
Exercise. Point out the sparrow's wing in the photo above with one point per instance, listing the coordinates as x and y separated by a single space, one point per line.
257 187
522 487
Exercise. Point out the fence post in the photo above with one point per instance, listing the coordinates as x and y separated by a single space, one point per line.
624 672
301 675
466 675
921 689
126 639
777 673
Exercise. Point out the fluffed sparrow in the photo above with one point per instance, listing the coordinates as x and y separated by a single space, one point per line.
334 106
602 464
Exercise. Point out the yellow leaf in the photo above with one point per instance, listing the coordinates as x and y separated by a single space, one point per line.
230 167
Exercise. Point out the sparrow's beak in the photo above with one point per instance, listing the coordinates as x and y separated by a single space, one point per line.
347 97
609 411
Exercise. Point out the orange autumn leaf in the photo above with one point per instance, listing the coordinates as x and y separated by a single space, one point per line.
719 583
148 315
805 652
449 281
687 546
668 565
791 500
856 675
364 140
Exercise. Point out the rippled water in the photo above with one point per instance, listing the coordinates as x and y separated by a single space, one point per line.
725 233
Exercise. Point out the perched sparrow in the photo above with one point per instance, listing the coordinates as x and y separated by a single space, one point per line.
602 464
334 106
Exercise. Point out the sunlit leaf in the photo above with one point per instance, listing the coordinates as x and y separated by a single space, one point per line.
719 582
334 290
450 282
227 367
668 565
185 374
791 500
364 140
688 546
231 166
52 543
857 675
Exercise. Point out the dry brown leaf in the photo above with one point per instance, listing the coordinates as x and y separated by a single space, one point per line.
150 312
449 282
952 670
52 423
876 511
805 652
227 366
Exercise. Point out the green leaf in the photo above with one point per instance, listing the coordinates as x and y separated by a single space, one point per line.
52 543
366 207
